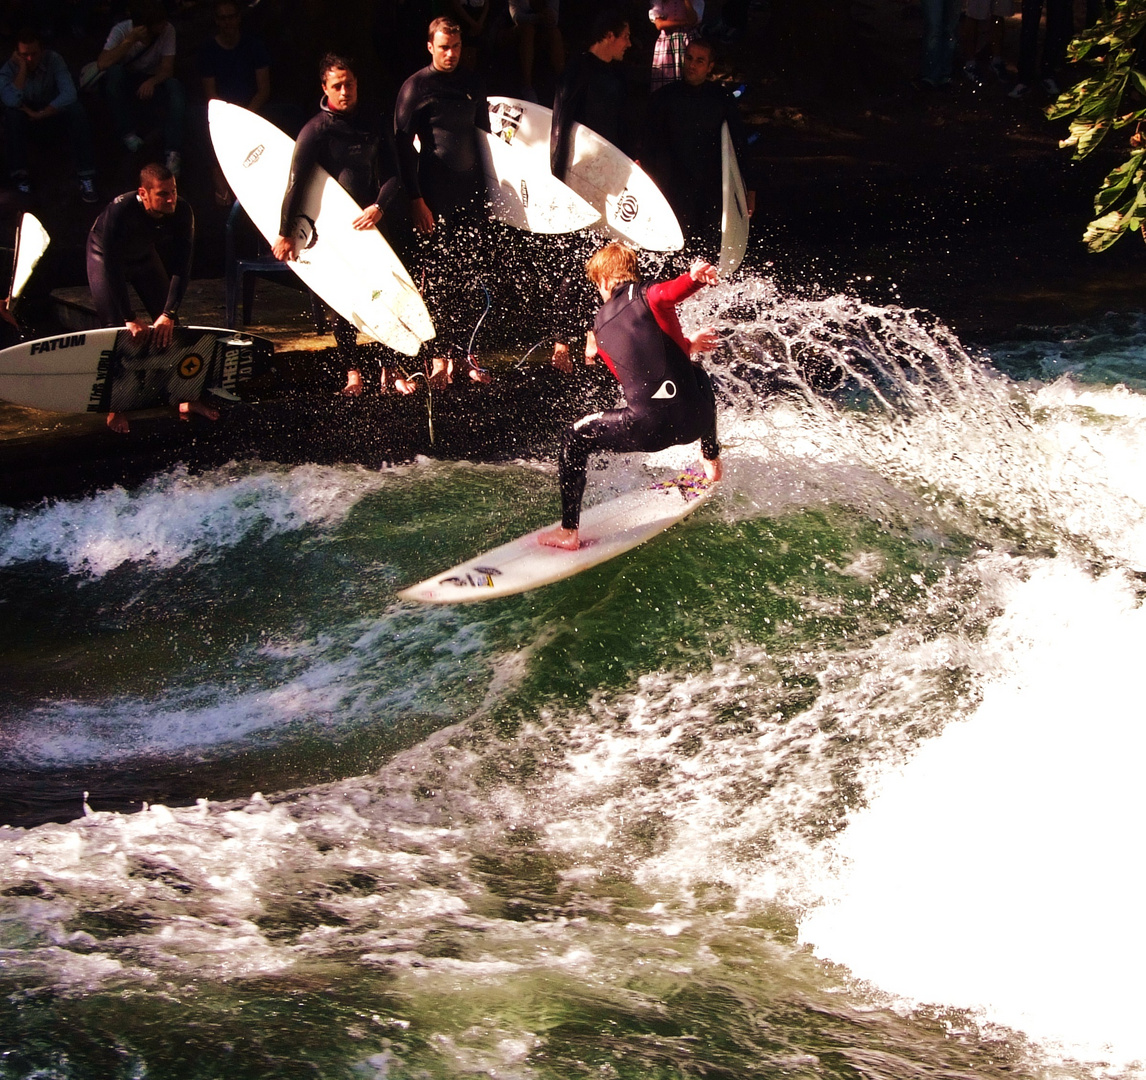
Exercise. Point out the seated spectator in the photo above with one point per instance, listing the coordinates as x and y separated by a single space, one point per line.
534 21
39 96
138 61
235 67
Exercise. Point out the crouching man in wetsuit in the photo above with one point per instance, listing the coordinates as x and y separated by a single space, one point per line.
122 250
668 397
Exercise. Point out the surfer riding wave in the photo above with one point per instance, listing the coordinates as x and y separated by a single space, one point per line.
668 397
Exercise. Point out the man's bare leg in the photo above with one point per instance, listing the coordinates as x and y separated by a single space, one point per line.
714 470
186 408
118 423
441 372
353 385
560 537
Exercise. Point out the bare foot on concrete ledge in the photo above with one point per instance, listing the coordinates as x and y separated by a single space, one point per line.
186 408
353 385
118 423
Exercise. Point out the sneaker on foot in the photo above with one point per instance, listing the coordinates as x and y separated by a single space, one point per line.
87 190
173 162
998 68
971 74
1019 90
1051 87
132 141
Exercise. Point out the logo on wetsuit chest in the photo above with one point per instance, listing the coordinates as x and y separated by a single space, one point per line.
253 156
667 389
628 206
524 193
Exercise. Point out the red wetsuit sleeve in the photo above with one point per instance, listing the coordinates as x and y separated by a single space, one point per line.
663 299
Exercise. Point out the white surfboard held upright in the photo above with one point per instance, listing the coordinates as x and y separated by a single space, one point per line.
355 271
528 196
607 530
631 206
734 218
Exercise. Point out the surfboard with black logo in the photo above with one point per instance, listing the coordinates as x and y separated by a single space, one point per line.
354 270
631 206
607 530
106 371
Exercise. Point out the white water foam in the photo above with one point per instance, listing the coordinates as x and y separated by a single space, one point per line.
177 517
999 870
371 671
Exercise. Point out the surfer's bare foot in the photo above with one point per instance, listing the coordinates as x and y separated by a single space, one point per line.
404 386
186 408
560 537
118 423
480 375
441 372
714 470
353 385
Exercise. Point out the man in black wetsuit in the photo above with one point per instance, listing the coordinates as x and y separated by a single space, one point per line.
444 107
122 249
682 150
668 397
592 92
353 144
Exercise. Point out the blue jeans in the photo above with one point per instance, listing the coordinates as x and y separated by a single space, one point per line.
19 128
169 100
940 24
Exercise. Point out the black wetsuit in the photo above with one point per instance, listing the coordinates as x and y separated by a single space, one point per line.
356 148
123 248
444 109
682 154
668 398
590 92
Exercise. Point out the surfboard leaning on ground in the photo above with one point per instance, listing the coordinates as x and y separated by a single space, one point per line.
607 530
355 271
631 206
105 371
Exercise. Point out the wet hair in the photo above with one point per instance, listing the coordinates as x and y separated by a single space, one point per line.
443 25
333 60
29 35
614 262
154 174
609 21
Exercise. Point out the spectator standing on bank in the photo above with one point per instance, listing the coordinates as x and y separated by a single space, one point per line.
536 21
1060 29
940 24
675 20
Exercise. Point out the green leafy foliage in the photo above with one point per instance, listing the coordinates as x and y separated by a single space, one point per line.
1112 97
